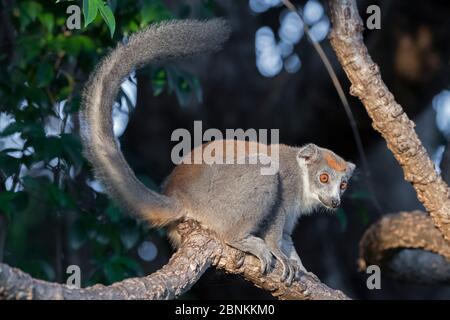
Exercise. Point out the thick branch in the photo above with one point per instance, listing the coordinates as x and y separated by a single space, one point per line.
407 245
387 115
183 269
198 251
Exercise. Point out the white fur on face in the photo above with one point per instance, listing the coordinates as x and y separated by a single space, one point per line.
309 199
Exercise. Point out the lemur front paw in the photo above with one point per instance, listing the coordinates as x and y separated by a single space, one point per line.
266 260
301 271
290 270
313 276
298 269
238 259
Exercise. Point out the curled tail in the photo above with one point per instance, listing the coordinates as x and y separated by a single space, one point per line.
156 43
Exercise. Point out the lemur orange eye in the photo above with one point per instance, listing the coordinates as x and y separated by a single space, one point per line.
324 177
343 185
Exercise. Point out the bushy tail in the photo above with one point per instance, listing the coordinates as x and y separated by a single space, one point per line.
164 41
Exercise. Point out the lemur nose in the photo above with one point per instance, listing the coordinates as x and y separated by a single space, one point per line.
335 203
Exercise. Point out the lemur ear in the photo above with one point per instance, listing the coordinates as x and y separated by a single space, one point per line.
309 153
350 168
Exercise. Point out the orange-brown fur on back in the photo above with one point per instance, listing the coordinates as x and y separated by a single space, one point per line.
220 149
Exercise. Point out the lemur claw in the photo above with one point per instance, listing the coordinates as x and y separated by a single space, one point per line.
239 259
312 275
266 260
289 271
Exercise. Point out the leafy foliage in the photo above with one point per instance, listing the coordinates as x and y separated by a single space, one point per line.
46 187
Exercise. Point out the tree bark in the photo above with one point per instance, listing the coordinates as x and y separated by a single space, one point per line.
408 246
387 115
198 251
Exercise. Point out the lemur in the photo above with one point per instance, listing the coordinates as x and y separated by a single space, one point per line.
249 211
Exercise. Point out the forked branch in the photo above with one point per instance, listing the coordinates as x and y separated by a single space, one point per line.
387 115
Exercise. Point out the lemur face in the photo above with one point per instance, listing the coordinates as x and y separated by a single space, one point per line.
328 174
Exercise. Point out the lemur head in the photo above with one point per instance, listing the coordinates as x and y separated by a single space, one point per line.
327 174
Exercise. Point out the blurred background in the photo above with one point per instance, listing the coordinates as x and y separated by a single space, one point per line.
53 213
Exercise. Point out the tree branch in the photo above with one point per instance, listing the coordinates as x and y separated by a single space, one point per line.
387 115
408 246
198 251
183 269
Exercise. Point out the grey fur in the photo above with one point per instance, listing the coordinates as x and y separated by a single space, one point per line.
257 213
160 42
252 212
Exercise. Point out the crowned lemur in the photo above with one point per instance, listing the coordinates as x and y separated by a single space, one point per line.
249 211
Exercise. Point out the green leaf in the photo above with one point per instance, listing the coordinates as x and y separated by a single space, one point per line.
113 213
44 74
72 149
40 269
60 198
9 165
90 9
50 148
76 44
35 184
129 264
108 16
133 26
12 128
11 202
29 11
159 80
154 11
120 267
6 201
187 87
113 272
33 130
27 130
31 8
48 20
